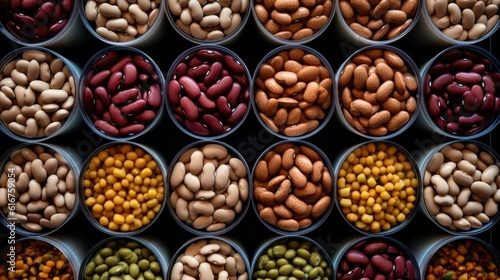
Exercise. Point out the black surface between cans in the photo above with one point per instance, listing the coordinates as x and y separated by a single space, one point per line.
251 139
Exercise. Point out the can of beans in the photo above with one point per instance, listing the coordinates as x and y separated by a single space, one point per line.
144 257
54 256
209 22
460 180
292 187
121 93
122 185
125 23
294 256
379 92
461 88
208 92
38 99
374 257
378 187
286 22
38 188
45 23
294 92
446 23
364 22
209 190
209 257
442 256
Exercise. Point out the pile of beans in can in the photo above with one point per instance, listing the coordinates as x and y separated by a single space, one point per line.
292 187
208 20
36 21
462 92
378 92
464 258
379 20
209 187
292 258
376 258
208 91
209 258
123 259
44 184
122 93
463 20
37 94
460 186
123 187
122 21
36 259
377 187
293 20
293 92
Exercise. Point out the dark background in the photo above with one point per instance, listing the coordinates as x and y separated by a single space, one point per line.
251 139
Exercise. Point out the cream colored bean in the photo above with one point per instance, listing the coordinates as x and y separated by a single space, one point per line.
440 184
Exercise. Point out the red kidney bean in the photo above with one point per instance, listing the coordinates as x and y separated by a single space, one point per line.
461 92
36 20
208 92
122 93
375 258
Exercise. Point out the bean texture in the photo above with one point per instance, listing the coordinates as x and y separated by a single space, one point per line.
293 21
461 92
378 91
206 21
460 186
293 92
37 259
36 21
123 187
292 187
209 187
37 93
464 258
208 91
296 257
209 258
377 187
44 183
376 258
463 20
121 93
123 258
121 21
379 20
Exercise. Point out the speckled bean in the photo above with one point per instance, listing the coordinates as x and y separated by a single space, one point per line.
208 259
217 187
35 104
293 92
292 187
45 187
378 92
122 21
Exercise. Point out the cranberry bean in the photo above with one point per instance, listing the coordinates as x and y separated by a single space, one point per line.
207 91
461 92
122 94
36 21
375 258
